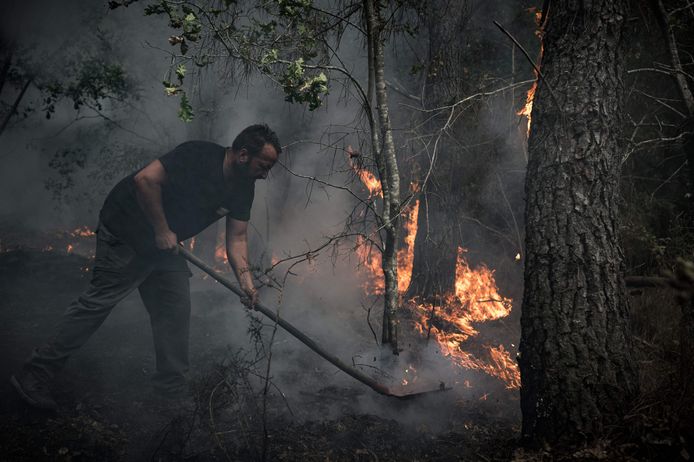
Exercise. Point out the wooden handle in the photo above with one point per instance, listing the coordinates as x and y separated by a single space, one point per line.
365 379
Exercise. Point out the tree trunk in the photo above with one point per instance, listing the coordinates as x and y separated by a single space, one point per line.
390 179
435 253
575 354
433 268
678 75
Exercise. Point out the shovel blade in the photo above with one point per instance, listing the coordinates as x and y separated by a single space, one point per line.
410 392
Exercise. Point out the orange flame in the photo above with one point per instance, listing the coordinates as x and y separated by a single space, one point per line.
527 109
370 181
371 257
220 252
476 299
406 253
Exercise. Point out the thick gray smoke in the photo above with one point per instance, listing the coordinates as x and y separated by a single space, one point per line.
291 214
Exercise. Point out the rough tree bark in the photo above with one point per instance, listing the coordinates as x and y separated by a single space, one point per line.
433 269
575 354
389 175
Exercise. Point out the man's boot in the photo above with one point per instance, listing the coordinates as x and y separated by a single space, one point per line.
34 391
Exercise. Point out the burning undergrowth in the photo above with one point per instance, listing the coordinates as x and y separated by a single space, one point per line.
452 319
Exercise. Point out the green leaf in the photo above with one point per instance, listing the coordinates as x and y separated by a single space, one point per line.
181 72
185 111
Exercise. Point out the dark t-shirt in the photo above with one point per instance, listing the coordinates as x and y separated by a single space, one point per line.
194 196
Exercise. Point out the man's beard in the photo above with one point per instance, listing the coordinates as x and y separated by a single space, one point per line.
243 171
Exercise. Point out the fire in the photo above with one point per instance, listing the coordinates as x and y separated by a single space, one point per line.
367 178
406 253
476 300
370 181
370 257
80 241
527 109
220 250
82 231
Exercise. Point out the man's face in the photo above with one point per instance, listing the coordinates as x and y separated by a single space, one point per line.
258 166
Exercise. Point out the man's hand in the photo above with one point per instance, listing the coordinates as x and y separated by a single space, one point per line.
166 240
251 298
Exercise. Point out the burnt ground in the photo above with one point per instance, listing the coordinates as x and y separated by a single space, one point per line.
310 412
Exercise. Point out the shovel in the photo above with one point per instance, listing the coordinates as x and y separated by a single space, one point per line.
363 378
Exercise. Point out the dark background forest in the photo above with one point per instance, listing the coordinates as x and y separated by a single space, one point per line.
491 198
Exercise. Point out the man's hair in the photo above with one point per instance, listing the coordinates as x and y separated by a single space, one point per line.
253 138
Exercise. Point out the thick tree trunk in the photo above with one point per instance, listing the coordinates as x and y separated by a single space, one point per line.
575 357
433 269
435 253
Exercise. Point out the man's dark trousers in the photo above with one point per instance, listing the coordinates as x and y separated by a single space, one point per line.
163 282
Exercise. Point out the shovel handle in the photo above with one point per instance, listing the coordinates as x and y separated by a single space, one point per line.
365 379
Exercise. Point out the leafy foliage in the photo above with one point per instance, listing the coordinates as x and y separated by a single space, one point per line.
95 82
89 82
277 39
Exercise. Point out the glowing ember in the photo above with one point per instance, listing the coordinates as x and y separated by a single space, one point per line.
82 231
70 248
410 375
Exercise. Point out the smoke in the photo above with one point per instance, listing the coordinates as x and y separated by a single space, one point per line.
292 215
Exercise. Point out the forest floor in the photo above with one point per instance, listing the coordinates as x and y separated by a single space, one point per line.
107 411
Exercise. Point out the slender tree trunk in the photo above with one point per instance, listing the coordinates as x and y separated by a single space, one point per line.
687 323
390 179
7 50
15 105
575 354
681 82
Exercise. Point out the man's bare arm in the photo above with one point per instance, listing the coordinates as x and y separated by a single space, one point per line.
148 183
237 253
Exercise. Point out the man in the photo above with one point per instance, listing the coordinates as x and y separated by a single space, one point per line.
140 225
